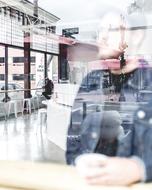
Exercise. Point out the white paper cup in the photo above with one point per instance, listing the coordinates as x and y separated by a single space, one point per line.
89 164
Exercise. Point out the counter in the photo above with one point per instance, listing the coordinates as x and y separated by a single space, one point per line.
59 112
38 176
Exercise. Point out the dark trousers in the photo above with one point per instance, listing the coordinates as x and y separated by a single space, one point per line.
46 95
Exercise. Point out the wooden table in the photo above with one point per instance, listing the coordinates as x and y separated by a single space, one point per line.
37 176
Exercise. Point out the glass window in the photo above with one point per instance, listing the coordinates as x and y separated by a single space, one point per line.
16 66
2 65
2 77
2 59
21 59
18 77
52 67
37 70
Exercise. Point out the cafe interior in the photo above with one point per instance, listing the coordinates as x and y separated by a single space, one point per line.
75 95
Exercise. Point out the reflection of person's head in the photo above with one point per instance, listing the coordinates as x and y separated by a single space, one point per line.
111 125
118 34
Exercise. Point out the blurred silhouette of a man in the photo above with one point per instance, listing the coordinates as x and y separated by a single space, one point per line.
48 88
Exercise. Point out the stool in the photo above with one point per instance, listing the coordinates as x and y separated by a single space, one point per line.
41 112
3 109
36 99
13 104
28 103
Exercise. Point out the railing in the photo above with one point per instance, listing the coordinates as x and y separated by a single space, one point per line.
19 90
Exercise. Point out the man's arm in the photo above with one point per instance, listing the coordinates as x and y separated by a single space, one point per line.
74 147
86 140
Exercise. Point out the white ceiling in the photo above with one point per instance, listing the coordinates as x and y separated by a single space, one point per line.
76 10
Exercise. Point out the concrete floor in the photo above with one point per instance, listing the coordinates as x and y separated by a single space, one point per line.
23 139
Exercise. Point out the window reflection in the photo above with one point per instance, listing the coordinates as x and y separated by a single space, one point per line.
100 91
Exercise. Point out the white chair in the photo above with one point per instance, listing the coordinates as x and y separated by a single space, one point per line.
42 113
12 104
28 102
36 99
3 109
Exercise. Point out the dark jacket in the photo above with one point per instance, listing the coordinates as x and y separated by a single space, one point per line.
98 133
139 141
49 86
86 139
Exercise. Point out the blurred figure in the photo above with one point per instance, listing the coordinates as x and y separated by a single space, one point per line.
48 88
136 152
99 133
111 132
133 162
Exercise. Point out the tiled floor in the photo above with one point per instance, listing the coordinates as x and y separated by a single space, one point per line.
22 139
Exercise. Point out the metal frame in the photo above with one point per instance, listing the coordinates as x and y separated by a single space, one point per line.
27 7
31 49
6 74
7 46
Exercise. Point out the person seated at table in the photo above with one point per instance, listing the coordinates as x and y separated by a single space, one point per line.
133 162
111 132
48 88
99 133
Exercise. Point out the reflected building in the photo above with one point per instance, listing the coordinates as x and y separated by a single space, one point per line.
15 23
